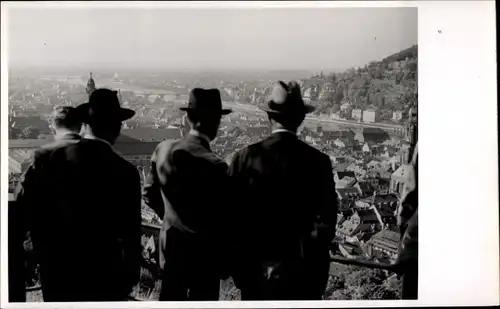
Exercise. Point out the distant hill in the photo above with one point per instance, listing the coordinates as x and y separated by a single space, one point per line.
387 85
411 52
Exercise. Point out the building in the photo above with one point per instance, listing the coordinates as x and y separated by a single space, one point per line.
371 115
90 86
383 186
385 216
344 179
397 116
350 250
362 221
347 193
365 217
386 242
357 114
346 107
398 179
19 160
326 91
339 143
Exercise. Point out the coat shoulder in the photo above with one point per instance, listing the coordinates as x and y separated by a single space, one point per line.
129 169
165 147
251 149
314 153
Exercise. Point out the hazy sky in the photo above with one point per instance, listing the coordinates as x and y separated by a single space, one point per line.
328 38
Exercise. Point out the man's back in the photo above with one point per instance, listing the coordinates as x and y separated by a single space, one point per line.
285 220
82 204
187 186
192 179
285 184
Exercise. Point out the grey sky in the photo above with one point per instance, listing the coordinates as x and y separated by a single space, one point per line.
238 38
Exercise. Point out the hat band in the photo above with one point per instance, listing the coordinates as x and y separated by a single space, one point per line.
286 107
205 109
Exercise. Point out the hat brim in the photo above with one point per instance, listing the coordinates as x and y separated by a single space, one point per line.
224 111
306 110
122 114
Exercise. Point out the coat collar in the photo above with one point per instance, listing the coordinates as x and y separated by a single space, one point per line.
198 138
283 135
67 135
283 131
93 137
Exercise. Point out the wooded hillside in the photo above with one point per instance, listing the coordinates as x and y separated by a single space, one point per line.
388 85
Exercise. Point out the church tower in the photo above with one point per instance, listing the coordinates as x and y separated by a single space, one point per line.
90 85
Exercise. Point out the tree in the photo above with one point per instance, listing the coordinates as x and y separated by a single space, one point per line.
360 283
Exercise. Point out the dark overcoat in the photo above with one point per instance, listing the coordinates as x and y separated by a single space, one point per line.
81 203
17 256
187 187
285 218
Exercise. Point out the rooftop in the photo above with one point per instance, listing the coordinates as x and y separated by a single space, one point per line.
367 215
345 192
342 174
387 235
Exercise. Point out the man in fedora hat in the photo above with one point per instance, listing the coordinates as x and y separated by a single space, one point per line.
82 205
287 210
187 187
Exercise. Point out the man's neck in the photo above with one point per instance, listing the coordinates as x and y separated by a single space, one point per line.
90 135
200 135
64 132
278 129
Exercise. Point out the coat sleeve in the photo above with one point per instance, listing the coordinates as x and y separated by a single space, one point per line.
238 191
409 199
29 194
235 171
326 218
237 181
30 191
133 233
408 247
151 192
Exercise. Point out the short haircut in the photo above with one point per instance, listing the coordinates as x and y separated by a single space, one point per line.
66 117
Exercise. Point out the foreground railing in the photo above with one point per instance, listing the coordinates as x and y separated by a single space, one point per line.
18 289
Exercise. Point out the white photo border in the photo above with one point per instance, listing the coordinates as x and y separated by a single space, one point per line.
459 244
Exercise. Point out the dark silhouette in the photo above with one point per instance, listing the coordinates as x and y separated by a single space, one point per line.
408 221
287 208
17 285
92 194
187 187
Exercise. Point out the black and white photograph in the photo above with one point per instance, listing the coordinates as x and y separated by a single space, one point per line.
212 154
